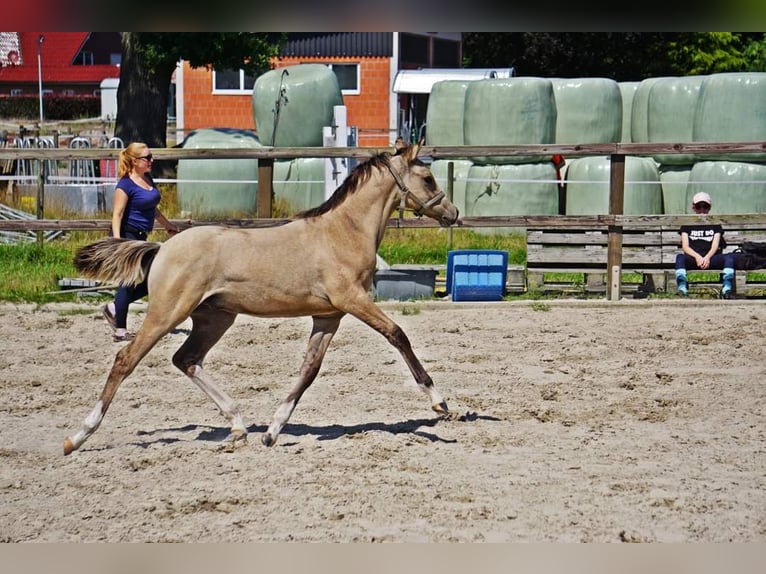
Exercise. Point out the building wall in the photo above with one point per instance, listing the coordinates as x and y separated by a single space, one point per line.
203 109
368 111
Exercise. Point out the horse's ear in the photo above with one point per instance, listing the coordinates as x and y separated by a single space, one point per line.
413 151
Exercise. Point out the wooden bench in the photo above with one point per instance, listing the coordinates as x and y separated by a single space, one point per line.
649 253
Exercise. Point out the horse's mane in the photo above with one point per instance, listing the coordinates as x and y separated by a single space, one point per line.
359 175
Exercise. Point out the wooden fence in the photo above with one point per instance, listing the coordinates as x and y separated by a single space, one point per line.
614 222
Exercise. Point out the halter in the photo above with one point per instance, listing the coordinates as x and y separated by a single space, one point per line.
406 191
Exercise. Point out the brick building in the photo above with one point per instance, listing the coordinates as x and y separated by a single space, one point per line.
366 64
70 63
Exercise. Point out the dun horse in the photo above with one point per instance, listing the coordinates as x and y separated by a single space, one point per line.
320 264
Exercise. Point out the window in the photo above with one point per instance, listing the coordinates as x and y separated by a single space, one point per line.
232 82
83 59
348 77
68 92
16 91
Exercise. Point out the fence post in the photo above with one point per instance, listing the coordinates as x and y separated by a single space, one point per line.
41 196
450 191
614 247
265 186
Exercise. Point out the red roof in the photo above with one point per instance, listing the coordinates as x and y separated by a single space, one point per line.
56 54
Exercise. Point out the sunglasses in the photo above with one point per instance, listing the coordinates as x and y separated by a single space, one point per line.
702 205
146 157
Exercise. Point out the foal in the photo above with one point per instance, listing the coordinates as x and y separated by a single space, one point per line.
320 264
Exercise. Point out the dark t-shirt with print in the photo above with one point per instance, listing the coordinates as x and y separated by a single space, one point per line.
701 236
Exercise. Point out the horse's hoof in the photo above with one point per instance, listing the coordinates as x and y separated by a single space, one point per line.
68 446
267 439
238 437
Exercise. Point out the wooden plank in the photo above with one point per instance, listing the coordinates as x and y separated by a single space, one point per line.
438 152
601 238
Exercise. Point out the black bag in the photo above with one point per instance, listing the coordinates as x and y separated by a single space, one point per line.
750 255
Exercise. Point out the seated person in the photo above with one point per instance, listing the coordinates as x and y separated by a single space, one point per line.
702 245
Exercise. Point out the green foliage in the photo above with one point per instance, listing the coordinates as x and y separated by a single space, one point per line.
29 270
55 107
249 51
430 246
702 53
755 54
622 56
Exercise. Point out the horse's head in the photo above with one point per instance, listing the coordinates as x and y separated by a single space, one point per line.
419 189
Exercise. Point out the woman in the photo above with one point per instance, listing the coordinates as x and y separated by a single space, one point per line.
135 210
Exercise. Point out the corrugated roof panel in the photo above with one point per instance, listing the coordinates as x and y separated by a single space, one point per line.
329 44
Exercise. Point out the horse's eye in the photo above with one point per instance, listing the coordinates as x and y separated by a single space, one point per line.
429 181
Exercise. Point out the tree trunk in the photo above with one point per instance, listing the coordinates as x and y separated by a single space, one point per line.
142 97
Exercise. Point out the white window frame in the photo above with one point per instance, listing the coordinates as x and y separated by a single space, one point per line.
358 89
241 91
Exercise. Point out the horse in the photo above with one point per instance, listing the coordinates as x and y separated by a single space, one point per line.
320 264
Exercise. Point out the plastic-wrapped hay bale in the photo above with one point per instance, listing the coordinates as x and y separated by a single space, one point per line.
218 186
639 113
627 91
525 189
731 108
300 182
588 110
509 111
735 187
310 91
674 180
587 186
671 106
460 174
444 117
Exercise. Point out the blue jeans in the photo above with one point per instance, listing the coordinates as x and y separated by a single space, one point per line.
717 261
126 295
724 261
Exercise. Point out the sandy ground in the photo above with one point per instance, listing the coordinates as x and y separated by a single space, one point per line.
638 421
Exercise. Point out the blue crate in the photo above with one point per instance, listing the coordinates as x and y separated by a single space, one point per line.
476 274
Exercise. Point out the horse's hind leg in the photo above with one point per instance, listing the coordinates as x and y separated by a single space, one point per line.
209 325
321 334
126 360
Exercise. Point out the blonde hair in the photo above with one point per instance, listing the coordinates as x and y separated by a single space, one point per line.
128 156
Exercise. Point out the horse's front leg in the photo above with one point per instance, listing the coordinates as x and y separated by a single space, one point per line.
322 332
372 315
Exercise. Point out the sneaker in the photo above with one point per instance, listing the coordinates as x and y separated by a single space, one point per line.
126 336
682 293
109 317
727 295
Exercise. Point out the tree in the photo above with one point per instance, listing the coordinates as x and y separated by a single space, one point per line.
700 53
622 56
148 62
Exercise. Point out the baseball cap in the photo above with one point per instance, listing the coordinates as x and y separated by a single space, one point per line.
701 197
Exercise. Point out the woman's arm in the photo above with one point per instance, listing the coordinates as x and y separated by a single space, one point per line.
118 211
165 222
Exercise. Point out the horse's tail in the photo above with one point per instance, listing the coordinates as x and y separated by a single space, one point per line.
124 261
